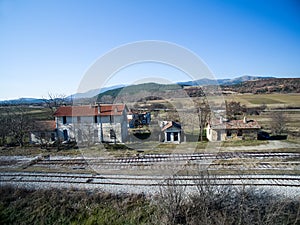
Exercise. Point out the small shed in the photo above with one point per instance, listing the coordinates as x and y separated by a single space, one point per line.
44 132
172 132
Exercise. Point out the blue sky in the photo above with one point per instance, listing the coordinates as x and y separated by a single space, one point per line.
47 46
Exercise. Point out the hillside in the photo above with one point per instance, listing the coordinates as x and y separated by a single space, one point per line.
270 85
243 84
139 91
237 80
273 85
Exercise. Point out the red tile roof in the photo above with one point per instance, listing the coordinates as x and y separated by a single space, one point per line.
88 110
235 124
45 125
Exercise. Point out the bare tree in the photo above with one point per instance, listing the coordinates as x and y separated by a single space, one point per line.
278 122
171 202
3 128
214 203
16 124
53 101
85 133
204 113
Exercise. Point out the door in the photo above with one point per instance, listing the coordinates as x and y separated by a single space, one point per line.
168 136
65 135
175 136
218 135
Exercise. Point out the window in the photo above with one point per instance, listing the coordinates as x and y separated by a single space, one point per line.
64 119
95 119
228 133
78 119
43 135
112 134
240 133
52 136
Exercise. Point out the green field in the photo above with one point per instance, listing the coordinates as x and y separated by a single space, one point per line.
270 100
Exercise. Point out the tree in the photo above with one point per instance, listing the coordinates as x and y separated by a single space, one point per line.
54 101
204 113
21 125
278 122
16 124
84 133
234 109
3 128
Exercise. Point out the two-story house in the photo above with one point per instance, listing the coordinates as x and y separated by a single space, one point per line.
92 123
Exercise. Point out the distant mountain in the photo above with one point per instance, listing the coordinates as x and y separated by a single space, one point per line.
243 84
20 101
94 92
272 85
245 78
206 81
38 101
200 82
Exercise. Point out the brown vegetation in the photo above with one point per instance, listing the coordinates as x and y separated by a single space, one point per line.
275 85
208 204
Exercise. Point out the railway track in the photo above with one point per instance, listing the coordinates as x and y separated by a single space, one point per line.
191 161
194 161
119 172
153 158
92 180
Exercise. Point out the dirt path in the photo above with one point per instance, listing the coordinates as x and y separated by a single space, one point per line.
270 146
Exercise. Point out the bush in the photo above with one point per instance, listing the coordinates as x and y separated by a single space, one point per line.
217 204
209 204
22 206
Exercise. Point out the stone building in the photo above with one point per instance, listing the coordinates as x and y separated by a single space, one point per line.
224 130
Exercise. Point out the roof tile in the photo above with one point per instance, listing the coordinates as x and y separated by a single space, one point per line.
88 110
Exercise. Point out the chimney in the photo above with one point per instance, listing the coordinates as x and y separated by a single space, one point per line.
245 119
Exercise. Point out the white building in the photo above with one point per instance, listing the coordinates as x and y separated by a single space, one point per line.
172 132
92 123
43 132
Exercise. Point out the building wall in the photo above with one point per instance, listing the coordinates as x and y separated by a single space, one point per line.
40 137
173 130
86 130
249 134
212 135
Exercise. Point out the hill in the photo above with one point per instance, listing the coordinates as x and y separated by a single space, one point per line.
138 91
272 85
238 80
23 101
243 84
94 92
250 85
